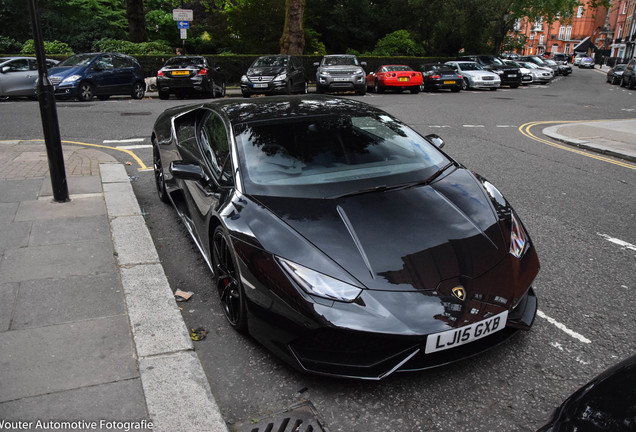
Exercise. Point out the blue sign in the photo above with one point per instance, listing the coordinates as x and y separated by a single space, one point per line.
183 24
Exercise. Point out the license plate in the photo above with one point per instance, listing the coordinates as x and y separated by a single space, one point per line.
341 79
180 72
449 82
463 335
513 75
260 85
403 79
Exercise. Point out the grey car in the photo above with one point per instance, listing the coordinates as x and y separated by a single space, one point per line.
18 76
340 72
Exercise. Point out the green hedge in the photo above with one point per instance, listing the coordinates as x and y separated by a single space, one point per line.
234 66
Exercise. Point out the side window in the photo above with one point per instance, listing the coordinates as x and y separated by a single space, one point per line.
106 62
19 65
214 145
33 65
120 62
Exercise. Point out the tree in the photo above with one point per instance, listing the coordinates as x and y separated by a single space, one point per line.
293 39
136 21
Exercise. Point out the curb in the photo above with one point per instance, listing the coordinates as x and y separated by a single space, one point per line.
177 391
552 132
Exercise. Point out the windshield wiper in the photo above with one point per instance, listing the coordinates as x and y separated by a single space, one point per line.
401 186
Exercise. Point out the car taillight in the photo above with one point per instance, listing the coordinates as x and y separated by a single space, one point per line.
436 76
460 77
160 73
203 71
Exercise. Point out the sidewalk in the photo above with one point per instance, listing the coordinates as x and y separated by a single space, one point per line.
91 337
612 137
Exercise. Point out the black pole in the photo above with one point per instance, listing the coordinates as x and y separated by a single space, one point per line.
48 112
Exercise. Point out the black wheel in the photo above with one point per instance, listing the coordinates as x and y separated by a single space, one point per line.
138 90
362 91
289 90
377 87
160 182
493 88
306 88
455 89
223 90
465 85
631 83
514 86
85 92
228 281
164 95
245 94
415 89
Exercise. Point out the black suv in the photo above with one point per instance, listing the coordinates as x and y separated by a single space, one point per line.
510 76
274 74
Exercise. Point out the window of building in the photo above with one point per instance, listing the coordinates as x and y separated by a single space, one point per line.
625 4
568 32
538 24
541 40
517 26
561 32
620 30
579 12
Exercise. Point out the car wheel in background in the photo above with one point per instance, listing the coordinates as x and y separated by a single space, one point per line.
85 92
456 89
415 89
377 87
465 85
493 88
138 90
227 280
160 182
164 95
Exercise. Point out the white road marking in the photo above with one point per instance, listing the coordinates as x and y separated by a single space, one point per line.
439 126
473 126
619 242
507 126
124 140
133 147
562 327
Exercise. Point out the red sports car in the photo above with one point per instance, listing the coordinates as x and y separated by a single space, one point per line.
394 77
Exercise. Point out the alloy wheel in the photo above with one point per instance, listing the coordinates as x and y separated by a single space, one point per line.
227 281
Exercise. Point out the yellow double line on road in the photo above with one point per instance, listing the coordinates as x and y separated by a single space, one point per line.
142 165
525 130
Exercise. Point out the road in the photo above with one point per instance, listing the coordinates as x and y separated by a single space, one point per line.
570 203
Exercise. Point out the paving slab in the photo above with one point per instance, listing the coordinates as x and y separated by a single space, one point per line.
113 173
45 302
56 261
156 321
50 359
14 235
8 294
20 190
45 208
120 199
69 230
76 185
121 400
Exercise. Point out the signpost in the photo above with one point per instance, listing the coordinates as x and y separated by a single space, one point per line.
183 18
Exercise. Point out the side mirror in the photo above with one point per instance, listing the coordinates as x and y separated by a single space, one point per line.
363 64
5 69
436 140
187 171
316 64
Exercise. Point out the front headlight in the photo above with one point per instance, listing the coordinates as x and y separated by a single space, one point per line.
281 77
498 72
71 79
319 284
518 238
244 79
324 73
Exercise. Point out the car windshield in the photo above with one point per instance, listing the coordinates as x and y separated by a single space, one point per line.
530 65
619 67
397 68
469 66
270 61
550 62
77 60
491 60
324 156
185 61
340 61
513 63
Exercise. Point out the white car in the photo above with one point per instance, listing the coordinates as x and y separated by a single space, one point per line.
527 77
540 74
474 75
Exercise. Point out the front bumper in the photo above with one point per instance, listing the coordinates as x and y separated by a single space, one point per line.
267 88
327 83
196 84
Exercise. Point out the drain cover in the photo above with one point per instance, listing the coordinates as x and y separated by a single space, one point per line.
299 418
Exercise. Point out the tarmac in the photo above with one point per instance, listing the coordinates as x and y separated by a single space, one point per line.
91 336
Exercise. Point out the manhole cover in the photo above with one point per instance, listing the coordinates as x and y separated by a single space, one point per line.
300 418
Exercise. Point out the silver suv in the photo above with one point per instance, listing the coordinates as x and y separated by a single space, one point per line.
340 72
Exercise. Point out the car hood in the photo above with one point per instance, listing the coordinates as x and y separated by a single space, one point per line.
478 73
265 71
345 68
402 240
64 71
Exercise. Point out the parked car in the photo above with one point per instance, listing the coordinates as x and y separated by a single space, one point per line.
586 62
561 69
475 77
340 72
436 76
509 75
183 75
509 55
561 58
577 58
615 74
526 74
274 74
629 75
394 77
606 403
541 62
540 75
17 75
84 76
309 211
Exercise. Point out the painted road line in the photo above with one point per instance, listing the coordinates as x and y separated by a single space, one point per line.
562 327
142 165
473 126
525 130
133 147
124 140
621 243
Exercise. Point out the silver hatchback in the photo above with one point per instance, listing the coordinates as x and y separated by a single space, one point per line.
18 76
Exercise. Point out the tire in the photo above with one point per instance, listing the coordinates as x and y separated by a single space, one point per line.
85 92
514 86
465 85
377 87
164 95
227 280
493 88
306 88
138 90
415 89
223 89
160 182
289 89
631 83
455 89
245 94
362 91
